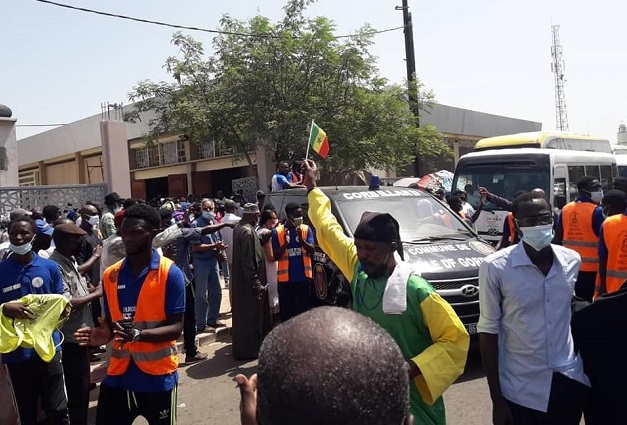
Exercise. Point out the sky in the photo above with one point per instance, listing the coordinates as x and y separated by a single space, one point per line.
59 65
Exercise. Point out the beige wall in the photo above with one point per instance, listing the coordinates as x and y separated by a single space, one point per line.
63 173
93 170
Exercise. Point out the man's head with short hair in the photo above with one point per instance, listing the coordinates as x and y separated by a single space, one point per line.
51 213
620 183
331 366
283 167
139 227
229 206
588 184
614 202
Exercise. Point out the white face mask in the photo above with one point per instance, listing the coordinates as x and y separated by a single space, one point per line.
597 196
94 220
537 237
297 221
21 249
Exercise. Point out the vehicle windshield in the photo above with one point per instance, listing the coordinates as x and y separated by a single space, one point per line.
504 180
419 217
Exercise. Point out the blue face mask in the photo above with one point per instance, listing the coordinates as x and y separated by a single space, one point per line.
537 237
208 215
21 249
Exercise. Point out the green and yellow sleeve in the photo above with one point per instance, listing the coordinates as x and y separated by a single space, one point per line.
444 360
331 238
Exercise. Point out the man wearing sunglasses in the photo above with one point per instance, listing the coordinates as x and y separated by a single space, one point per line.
525 338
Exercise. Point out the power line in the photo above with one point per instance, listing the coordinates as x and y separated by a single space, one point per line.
184 27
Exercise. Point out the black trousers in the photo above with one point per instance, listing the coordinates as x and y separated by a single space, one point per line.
34 378
294 298
584 287
117 406
189 321
77 377
566 403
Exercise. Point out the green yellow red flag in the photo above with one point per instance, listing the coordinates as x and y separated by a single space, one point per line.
318 140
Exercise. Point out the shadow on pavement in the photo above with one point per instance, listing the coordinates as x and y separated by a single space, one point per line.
221 363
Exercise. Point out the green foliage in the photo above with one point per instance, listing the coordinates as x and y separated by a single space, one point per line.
267 89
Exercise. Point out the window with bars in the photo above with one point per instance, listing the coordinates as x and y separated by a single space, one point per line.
182 155
153 156
169 153
141 158
207 149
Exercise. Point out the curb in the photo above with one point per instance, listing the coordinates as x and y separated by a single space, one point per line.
220 334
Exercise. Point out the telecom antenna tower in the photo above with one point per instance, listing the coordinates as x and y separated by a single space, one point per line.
557 67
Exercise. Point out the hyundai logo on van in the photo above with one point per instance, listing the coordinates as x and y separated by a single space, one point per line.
469 290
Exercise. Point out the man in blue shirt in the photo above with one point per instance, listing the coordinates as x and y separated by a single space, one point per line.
135 393
291 238
283 178
23 273
206 271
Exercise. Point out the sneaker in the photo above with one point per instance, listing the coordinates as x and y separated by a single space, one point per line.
196 357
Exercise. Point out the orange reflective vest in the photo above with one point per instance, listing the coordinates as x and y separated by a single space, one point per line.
283 272
153 358
512 228
615 238
578 233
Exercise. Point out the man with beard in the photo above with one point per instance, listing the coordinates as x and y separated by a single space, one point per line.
144 298
251 311
431 337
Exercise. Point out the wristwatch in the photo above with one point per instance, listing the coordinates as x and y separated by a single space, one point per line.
136 334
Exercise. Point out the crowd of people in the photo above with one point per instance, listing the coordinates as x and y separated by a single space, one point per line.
133 277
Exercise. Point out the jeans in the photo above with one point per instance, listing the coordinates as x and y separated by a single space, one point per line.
208 291
226 271
189 321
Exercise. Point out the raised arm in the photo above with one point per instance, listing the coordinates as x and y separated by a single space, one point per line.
339 247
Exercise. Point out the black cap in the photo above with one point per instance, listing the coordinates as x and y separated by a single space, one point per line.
378 227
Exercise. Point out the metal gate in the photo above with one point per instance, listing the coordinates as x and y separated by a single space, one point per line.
63 196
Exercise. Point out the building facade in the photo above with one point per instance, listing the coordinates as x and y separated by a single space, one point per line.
176 166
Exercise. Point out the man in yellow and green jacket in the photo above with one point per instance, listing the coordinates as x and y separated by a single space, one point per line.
425 327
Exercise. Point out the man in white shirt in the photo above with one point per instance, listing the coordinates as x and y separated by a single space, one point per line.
227 238
525 292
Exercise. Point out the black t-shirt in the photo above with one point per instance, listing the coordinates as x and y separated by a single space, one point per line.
87 243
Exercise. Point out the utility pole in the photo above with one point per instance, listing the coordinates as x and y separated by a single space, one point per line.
557 67
410 59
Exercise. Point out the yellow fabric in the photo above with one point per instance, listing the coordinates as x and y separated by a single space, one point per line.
331 238
442 362
36 333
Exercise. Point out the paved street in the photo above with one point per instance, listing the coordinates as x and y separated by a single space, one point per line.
207 394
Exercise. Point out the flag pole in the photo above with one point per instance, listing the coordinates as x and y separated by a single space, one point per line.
309 140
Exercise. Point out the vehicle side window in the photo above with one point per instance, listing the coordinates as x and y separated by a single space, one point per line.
593 170
606 177
559 193
575 172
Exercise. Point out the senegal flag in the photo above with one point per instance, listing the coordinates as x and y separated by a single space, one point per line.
318 140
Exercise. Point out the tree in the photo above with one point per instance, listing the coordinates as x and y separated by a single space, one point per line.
266 82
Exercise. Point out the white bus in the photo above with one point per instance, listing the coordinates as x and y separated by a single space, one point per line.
505 172
546 140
